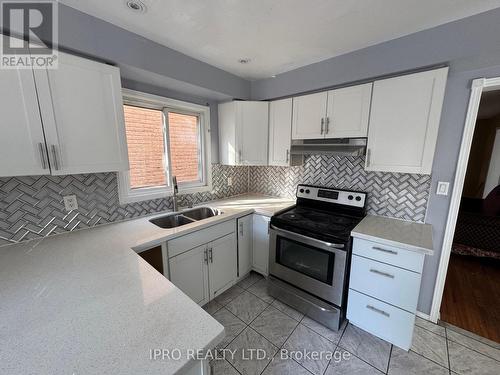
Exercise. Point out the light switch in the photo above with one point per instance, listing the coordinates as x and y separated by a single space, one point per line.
70 203
442 188
229 181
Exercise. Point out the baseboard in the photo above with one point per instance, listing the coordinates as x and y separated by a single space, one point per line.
423 315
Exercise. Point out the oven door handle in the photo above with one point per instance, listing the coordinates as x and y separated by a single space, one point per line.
310 239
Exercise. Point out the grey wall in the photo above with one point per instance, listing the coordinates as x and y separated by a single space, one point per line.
471 47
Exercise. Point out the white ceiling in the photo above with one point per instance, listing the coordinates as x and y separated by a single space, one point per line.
277 35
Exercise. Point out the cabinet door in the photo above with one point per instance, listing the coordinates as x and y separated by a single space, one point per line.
348 112
189 272
309 111
260 259
280 132
222 264
245 244
22 145
82 112
252 132
404 122
228 149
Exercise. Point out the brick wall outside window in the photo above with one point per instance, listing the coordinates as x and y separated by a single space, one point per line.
144 128
184 146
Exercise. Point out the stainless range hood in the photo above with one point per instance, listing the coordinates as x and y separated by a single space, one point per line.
338 146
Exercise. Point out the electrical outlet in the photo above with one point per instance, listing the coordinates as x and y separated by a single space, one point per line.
70 203
442 188
229 181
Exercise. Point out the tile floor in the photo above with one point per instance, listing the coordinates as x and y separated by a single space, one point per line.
253 319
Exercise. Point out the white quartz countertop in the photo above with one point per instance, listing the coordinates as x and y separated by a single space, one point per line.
85 303
404 234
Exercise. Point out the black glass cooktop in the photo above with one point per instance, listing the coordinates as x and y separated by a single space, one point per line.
326 225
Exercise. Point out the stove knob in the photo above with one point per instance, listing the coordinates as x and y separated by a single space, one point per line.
308 191
358 198
350 197
301 190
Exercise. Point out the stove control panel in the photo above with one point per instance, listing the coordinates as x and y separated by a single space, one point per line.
345 197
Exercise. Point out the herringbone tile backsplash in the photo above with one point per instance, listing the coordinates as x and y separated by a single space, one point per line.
399 195
32 207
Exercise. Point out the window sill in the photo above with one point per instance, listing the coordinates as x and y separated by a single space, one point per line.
126 197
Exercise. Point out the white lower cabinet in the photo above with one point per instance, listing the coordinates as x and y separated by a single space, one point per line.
189 272
221 264
203 264
245 245
381 319
384 287
260 257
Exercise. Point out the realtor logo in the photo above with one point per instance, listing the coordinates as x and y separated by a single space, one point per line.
30 34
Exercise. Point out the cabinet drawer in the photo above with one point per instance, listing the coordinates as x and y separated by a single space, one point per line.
396 256
391 284
200 237
381 319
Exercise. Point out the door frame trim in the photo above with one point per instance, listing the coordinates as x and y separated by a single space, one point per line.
478 86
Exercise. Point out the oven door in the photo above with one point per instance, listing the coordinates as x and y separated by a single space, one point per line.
312 265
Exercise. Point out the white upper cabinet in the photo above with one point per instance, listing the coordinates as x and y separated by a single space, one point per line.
340 113
243 132
82 114
348 111
62 121
309 113
404 122
280 132
22 145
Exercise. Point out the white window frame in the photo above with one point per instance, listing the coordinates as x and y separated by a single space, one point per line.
140 99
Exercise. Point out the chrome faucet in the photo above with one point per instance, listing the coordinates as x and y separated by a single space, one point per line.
176 191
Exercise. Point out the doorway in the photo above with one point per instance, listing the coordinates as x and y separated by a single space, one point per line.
467 291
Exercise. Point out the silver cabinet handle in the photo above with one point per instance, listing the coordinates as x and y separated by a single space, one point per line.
210 255
368 154
205 258
322 124
327 125
370 307
53 148
385 250
287 155
241 229
382 273
43 155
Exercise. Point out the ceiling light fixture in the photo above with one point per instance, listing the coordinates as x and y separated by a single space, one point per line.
136 6
245 60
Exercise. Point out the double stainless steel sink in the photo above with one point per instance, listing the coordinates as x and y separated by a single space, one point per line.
178 219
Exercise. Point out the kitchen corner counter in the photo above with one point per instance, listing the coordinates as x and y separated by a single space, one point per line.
84 302
394 232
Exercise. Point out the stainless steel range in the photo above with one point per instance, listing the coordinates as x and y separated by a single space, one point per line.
310 251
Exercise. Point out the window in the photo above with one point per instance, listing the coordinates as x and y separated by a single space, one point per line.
165 138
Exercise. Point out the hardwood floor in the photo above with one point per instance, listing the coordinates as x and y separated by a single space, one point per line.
471 298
